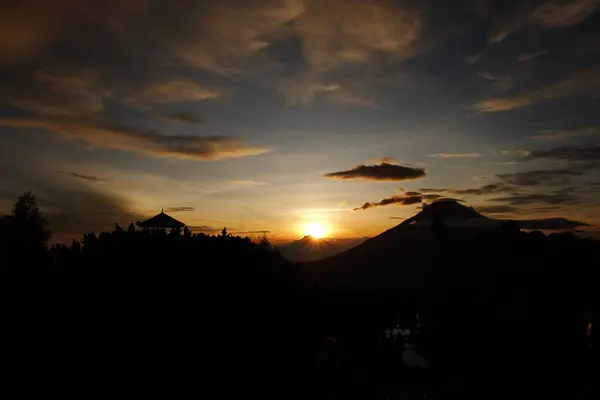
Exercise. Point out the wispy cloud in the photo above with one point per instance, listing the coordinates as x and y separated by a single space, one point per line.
182 117
456 155
582 82
557 135
565 14
179 209
540 177
433 190
90 178
304 90
487 75
566 153
537 198
175 90
516 152
381 172
199 148
246 182
486 189
547 15
531 56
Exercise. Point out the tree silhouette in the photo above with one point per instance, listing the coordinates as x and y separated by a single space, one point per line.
28 226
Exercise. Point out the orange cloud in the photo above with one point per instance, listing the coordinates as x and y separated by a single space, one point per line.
199 148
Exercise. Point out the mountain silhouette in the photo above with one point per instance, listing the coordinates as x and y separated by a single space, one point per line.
448 210
405 257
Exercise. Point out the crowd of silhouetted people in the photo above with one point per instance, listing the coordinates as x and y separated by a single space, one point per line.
170 310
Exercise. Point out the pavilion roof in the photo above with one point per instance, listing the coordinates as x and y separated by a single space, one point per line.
161 220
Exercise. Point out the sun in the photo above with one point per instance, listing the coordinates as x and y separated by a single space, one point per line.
315 229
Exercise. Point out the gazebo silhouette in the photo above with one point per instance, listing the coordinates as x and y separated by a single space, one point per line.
161 221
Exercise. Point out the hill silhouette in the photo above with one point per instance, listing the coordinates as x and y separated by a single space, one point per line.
311 249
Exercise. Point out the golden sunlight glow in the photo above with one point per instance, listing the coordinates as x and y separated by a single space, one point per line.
315 229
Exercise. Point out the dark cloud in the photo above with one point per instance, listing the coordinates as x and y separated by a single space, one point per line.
184 118
129 45
400 218
179 209
199 148
541 177
90 178
381 172
565 153
539 198
402 200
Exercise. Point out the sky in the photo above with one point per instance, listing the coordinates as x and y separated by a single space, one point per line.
265 116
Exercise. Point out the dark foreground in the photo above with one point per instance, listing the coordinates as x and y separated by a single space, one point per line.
150 313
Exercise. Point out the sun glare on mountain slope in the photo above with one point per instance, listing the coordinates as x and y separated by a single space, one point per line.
315 229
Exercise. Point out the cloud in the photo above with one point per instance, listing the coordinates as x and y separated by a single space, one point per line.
566 153
182 117
517 152
89 178
400 218
504 104
556 135
245 182
304 90
547 15
565 14
176 90
538 198
431 190
179 209
456 155
204 228
540 177
497 209
584 82
432 196
406 199
54 94
199 148
487 189
487 75
330 39
531 56
381 172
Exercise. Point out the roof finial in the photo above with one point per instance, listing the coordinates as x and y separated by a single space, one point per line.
162 211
